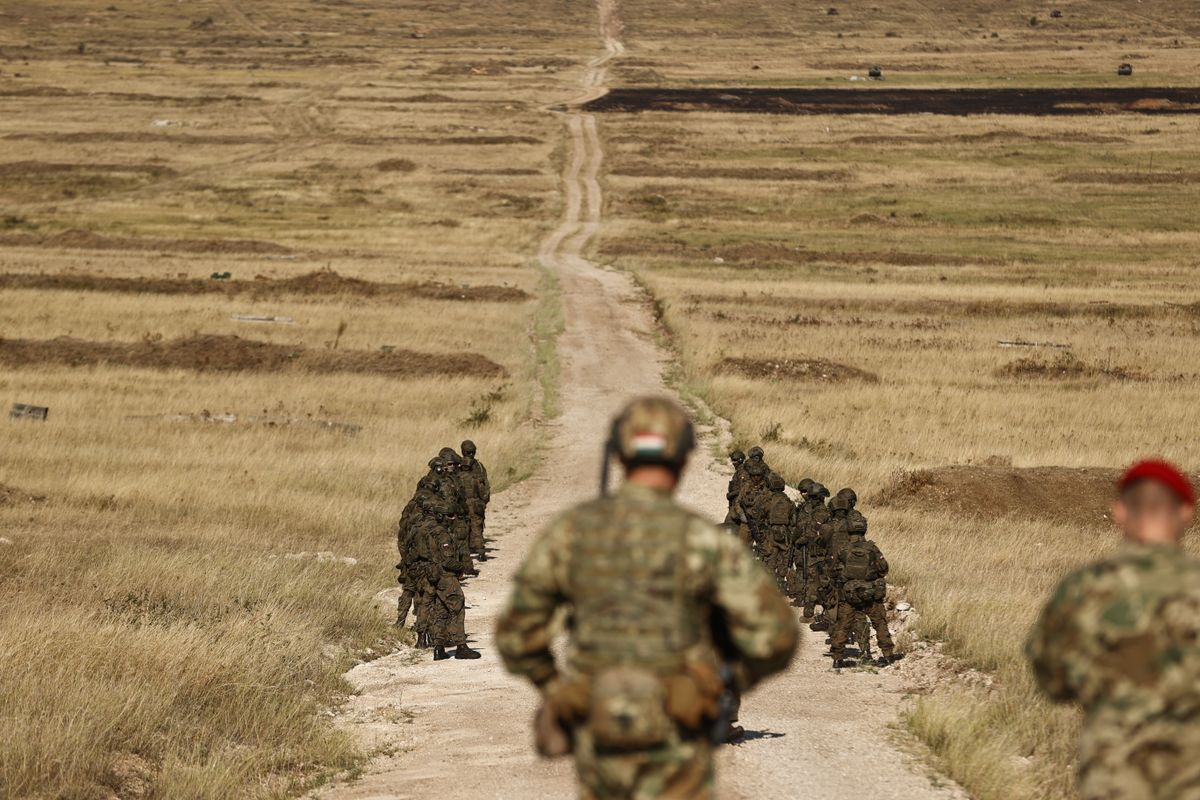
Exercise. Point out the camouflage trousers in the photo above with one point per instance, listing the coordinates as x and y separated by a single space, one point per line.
858 620
447 612
1125 757
476 513
778 562
682 769
462 541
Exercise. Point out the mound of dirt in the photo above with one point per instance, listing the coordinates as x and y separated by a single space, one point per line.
1059 494
76 239
212 353
396 165
323 282
818 370
780 252
26 169
1065 367
651 170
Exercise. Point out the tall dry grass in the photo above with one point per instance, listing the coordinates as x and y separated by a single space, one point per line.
160 635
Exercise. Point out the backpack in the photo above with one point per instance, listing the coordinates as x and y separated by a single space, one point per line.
858 571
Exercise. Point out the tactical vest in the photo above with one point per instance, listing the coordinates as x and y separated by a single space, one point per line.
628 579
839 536
857 564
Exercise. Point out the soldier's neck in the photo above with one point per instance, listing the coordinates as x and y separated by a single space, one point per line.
660 479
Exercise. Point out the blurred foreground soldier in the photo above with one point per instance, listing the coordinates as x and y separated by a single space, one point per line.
1121 638
437 559
669 619
474 479
860 578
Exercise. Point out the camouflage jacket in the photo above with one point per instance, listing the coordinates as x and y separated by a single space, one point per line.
1122 639
750 499
879 564
779 519
434 550
474 481
741 615
736 482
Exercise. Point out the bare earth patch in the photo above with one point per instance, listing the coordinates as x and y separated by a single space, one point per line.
211 353
788 369
780 252
323 282
1065 367
1058 494
87 240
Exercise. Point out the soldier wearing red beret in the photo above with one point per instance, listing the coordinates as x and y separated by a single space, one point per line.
1121 639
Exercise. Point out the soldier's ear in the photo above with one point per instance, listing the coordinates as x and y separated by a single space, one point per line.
1189 515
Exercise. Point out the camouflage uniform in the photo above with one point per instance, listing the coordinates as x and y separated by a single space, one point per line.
779 537
473 478
813 515
442 608
414 514
833 535
658 599
1122 639
738 459
455 500
860 575
750 503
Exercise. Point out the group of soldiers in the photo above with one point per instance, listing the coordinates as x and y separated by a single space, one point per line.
818 552
440 536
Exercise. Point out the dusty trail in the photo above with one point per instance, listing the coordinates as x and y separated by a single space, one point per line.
459 729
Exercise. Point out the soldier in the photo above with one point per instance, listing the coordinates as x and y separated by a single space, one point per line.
412 516
456 501
437 559
833 537
1121 638
738 459
749 502
815 515
861 588
669 616
780 536
478 490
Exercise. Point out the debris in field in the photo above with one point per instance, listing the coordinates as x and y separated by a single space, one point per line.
1125 69
1056 14
255 318
1023 343
795 369
832 12
270 422
26 411
220 276
875 73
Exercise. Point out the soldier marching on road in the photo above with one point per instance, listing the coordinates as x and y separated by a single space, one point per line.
669 617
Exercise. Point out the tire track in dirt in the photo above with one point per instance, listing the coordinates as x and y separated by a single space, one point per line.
461 730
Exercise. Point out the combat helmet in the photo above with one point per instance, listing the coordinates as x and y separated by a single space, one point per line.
775 482
468 448
805 486
435 464
756 469
652 430
819 492
839 503
850 495
756 454
737 457
447 455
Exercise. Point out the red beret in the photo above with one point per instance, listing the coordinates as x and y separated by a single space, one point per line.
1163 473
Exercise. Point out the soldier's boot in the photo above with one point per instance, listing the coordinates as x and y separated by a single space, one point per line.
440 654
735 734
483 556
887 659
810 612
842 663
463 652
822 624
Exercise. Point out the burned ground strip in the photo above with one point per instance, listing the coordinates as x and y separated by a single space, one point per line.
950 102
210 353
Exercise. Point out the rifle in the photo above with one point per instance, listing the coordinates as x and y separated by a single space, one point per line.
804 560
727 707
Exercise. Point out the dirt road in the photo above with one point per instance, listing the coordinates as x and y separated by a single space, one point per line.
460 729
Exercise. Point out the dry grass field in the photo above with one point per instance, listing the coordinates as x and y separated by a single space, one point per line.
380 174
838 287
